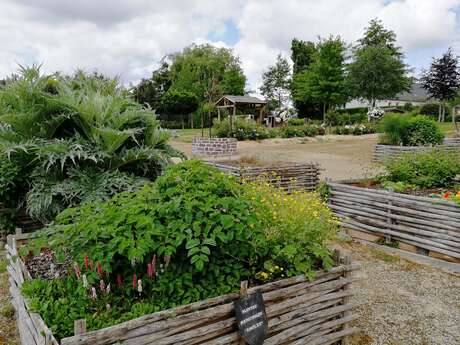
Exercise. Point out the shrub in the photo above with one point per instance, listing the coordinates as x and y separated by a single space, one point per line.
408 106
423 131
296 122
193 234
66 133
300 131
430 109
242 130
342 119
354 129
435 168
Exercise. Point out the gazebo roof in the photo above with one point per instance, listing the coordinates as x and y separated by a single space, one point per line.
241 100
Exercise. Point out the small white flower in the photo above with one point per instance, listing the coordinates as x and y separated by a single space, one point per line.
85 281
93 293
139 285
107 290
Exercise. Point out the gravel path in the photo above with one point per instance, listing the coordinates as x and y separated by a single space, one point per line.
404 303
8 331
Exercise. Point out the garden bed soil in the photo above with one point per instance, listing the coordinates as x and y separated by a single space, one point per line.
427 192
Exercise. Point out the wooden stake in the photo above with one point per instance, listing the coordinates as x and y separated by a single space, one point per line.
79 326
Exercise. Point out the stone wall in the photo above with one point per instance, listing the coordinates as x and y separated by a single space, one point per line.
214 146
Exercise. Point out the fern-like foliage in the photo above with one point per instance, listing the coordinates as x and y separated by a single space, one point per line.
79 137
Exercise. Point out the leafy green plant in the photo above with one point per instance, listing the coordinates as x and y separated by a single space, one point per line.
192 234
241 129
434 168
394 128
296 122
59 131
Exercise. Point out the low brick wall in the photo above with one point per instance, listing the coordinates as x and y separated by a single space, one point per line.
214 146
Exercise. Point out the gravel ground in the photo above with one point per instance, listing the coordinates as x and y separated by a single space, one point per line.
8 331
404 303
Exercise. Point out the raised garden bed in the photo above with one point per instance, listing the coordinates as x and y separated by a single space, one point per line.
214 146
298 310
382 152
418 224
290 176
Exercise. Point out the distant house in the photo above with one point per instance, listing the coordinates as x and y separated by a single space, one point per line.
417 96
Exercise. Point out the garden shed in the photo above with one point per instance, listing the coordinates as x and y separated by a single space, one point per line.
253 106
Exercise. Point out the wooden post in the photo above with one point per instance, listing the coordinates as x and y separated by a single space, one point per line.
79 326
218 114
389 219
346 260
243 292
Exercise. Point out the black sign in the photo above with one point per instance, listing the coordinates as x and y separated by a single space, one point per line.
251 318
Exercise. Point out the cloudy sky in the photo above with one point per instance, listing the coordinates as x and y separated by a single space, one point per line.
128 38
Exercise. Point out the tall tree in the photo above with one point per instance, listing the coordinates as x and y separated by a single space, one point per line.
150 91
377 70
302 55
276 83
197 67
442 80
324 81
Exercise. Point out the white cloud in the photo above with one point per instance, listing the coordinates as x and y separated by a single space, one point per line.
128 37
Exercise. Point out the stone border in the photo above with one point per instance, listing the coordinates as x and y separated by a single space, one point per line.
214 146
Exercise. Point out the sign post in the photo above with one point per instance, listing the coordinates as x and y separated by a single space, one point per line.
251 317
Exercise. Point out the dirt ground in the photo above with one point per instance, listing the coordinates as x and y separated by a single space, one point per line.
341 157
404 303
8 331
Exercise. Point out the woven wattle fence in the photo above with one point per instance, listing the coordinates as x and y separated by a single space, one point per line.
299 311
304 176
382 152
420 224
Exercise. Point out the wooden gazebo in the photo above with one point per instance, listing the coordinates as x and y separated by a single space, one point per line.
232 102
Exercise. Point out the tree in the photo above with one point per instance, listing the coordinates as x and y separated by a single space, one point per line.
302 55
150 91
276 82
442 80
324 81
198 66
377 70
180 102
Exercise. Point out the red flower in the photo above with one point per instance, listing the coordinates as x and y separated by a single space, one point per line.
100 272
150 270
86 262
446 195
119 281
154 264
77 270
134 281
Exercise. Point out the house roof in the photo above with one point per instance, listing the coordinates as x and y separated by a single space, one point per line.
242 99
416 94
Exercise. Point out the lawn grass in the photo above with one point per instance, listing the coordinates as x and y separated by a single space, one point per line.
187 135
448 128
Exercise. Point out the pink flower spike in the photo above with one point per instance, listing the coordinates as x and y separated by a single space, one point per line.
100 272
86 262
149 270
93 293
134 281
119 281
102 285
77 270
154 264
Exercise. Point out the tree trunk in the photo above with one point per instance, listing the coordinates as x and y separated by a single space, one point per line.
183 125
191 120
439 112
324 112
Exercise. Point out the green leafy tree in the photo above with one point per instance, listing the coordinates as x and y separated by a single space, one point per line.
199 68
180 102
302 55
150 91
276 82
377 70
324 81
442 80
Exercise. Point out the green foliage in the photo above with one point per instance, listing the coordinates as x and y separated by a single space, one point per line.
58 128
378 70
405 130
179 102
324 80
276 82
242 130
150 91
204 231
296 122
336 118
430 109
435 168
360 129
299 131
423 131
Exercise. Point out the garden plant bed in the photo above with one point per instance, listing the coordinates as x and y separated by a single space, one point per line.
419 224
298 310
383 152
290 176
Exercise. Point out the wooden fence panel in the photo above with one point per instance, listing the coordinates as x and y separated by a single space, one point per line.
427 223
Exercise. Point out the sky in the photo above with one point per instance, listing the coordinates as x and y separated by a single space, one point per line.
128 38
